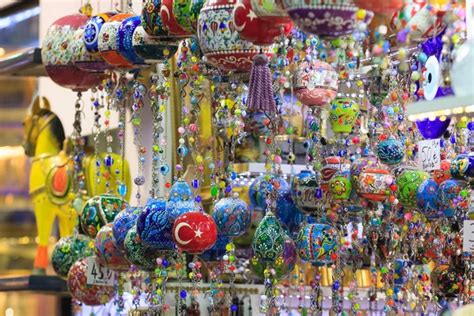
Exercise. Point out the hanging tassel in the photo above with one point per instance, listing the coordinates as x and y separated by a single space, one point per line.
261 98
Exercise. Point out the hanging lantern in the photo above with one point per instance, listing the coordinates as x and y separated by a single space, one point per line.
68 250
88 294
99 211
450 197
432 129
107 253
194 232
324 18
154 226
57 54
330 166
427 199
269 239
443 173
137 253
315 83
108 41
408 183
374 184
390 151
92 30
232 216
123 222
181 200
283 265
186 13
169 20
219 39
463 166
386 7
316 243
152 50
343 113
255 29
306 192
125 43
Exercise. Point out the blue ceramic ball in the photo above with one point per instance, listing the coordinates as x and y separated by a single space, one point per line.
123 222
306 192
154 226
427 198
232 216
288 214
180 200
462 166
125 40
448 193
316 242
390 151
92 30
264 184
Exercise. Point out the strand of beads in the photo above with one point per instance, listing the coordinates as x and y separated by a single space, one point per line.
161 278
136 280
138 95
78 154
119 301
96 106
181 293
315 297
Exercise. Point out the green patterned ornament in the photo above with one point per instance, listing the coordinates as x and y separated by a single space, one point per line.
269 239
138 254
340 187
408 184
68 250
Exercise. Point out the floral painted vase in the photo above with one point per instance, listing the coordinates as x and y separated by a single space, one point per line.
57 54
427 199
219 39
306 192
107 253
343 113
68 250
407 186
315 83
390 151
340 188
232 216
374 184
169 20
108 41
152 49
316 242
99 211
92 30
269 239
123 222
154 226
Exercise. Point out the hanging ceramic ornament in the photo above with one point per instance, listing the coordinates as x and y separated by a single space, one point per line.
288 213
180 200
269 239
85 293
271 10
374 184
169 20
316 243
443 173
152 50
68 250
330 166
385 8
307 192
108 41
432 129
263 185
461 74
92 30
343 113
315 83
99 211
324 18
219 39
85 60
186 13
390 151
232 216
125 42
462 166
427 199
107 253
283 265
340 187
450 197
58 56
358 166
123 222
408 183
194 232
154 226
137 253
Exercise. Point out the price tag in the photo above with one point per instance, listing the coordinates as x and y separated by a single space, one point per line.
99 274
468 236
429 154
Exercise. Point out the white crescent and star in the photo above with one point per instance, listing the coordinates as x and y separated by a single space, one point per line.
197 233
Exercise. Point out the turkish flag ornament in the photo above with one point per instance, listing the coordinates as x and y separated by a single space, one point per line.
194 232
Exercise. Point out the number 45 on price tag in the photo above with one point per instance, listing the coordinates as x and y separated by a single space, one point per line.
99 274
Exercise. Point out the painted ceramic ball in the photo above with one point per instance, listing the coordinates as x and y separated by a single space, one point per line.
463 166
194 232
408 184
108 41
154 226
125 42
427 198
271 10
57 54
330 166
324 18
446 281
443 173
316 242
180 200
232 216
449 193
315 83
390 151
123 222
99 211
374 184
432 129
137 253
92 30
343 113
169 20
87 294
217 251
288 214
269 239
382 7
283 265
264 184
255 29
360 165
68 250
187 12
220 41
306 192
107 252
340 188
85 60
151 49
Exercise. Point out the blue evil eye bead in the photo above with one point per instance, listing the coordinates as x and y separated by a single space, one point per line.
182 151
122 190
164 169
154 227
108 161
232 216
390 151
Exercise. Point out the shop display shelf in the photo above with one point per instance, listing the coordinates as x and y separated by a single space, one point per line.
45 284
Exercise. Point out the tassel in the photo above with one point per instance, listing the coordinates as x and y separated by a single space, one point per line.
261 98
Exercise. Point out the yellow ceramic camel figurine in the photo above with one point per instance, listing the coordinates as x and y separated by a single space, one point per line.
51 176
